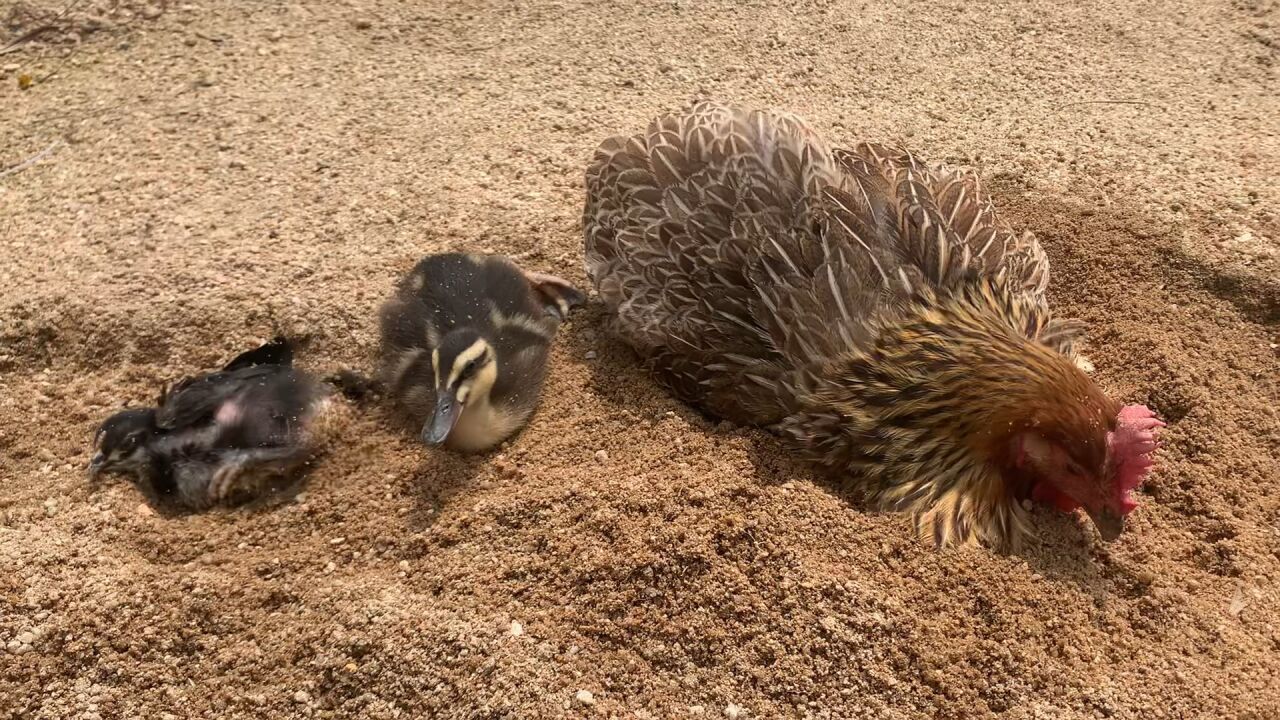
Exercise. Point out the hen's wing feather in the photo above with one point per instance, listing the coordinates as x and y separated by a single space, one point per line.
735 248
949 227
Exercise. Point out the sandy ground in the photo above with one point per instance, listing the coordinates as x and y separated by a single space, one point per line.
224 170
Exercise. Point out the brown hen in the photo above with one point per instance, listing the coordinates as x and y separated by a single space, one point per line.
870 308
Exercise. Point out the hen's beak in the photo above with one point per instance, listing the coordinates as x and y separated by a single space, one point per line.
1110 524
96 466
448 410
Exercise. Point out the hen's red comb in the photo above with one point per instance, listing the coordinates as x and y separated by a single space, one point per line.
1131 446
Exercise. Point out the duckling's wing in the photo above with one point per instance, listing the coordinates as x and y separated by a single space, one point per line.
270 411
948 226
195 399
558 296
201 399
277 352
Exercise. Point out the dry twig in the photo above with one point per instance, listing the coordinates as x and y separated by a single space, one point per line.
32 34
1112 102
29 161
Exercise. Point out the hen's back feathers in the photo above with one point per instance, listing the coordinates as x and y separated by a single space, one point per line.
736 249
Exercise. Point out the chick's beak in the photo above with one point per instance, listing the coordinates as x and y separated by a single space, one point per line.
96 466
1110 523
448 410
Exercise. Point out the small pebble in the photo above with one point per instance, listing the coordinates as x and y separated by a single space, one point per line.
144 510
602 456
591 355
733 712
585 697
404 565
337 541
330 567
516 628
302 696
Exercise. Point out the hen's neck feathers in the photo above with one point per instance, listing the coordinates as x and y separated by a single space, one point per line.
925 416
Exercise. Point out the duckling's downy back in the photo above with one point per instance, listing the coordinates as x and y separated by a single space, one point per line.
735 249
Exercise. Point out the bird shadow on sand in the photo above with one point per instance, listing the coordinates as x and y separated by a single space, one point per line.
439 477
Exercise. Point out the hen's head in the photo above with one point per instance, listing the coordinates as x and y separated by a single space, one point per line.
1090 463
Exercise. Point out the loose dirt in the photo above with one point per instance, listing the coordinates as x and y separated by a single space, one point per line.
221 171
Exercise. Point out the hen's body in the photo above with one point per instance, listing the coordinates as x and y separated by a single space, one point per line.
870 307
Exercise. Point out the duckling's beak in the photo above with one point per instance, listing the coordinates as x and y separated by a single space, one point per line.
448 410
96 466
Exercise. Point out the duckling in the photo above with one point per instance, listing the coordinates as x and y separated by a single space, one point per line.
221 436
870 308
464 346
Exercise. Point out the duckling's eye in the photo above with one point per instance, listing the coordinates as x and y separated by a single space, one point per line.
474 366
470 368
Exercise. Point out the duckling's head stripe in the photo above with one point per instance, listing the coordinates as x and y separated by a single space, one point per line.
473 351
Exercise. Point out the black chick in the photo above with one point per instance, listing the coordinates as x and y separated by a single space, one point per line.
465 340
221 436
